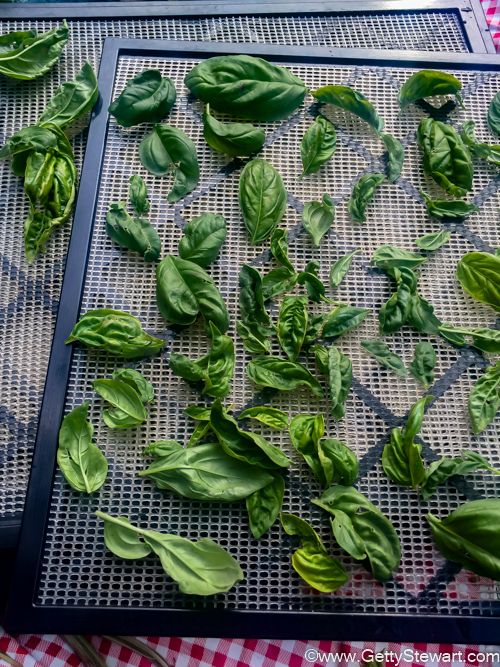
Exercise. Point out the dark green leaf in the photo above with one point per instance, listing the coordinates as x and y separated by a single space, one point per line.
203 238
314 287
428 83
137 381
482 151
363 192
487 340
292 325
395 156
318 145
341 267
282 375
127 408
343 319
479 275
271 417
136 234
350 100
315 328
231 138
388 257
394 313
278 281
22 143
138 194
39 177
440 471
72 99
421 315
146 98
434 241
424 361
444 209
494 114
255 326
264 506
28 55
484 399
339 380
381 352
305 433
279 248
318 217
338 461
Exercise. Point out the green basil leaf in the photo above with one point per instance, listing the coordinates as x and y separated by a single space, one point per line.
443 209
428 83
402 462
433 241
339 380
203 238
292 325
342 320
440 471
350 100
314 287
305 433
363 192
338 461
317 217
246 87
206 472
234 139
381 352
200 434
421 315
415 418
22 143
184 290
388 257
39 177
424 361
255 326
146 98
395 156
271 417
278 281
445 156
162 448
29 55
121 538
479 275
282 375
138 194
318 145
340 268
81 462
167 149
279 248
346 536
138 382
264 506
469 536
312 562
482 151
484 399
115 332
487 340
136 234
262 199
127 408
198 412
191 371
494 115
394 313
314 328
72 99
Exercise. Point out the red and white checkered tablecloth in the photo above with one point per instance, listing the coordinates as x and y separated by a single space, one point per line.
492 11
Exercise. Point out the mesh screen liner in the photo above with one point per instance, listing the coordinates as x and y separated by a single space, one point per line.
29 294
77 569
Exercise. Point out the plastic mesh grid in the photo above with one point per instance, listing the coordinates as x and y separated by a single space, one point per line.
77 569
29 294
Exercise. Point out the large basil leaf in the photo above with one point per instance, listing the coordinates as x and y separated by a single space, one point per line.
445 156
81 462
130 376
388 257
350 100
231 138
311 561
318 145
206 472
136 234
167 149
203 238
305 433
444 209
367 535
200 568
138 194
424 361
279 248
246 87
127 408
363 192
262 199
487 340
292 325
342 320
282 375
271 417
28 55
255 326
264 506
428 83
440 471
340 268
115 332
484 399
395 156
494 115
479 275
146 98
433 241
72 100
382 353
470 536
184 290
317 217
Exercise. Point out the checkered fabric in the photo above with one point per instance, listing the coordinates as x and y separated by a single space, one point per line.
492 11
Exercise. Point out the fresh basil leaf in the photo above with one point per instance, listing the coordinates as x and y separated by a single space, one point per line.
203 238
72 99
363 192
424 361
146 98
487 340
282 375
279 248
28 55
311 561
200 434
482 151
421 315
138 382
314 287
388 257
346 536
184 290
382 353
394 313
81 462
339 380
198 412
305 433
187 369
484 399
127 408
28 139
161 448
318 145
494 114
350 100
255 326
428 83
317 218
338 461
315 326
342 320
115 332
444 209
264 506
433 241
271 417
278 281
246 87
479 275
292 325
138 194
340 268
136 234
121 538
469 536
440 471
395 156
168 150
262 199
231 138
39 177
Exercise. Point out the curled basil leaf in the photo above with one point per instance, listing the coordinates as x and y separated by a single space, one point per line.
484 399
279 248
494 114
262 199
146 98
318 145
479 275
127 409
339 462
488 152
350 100
22 143
310 278
271 417
292 325
278 281
231 138
306 432
395 156
264 506
138 382
116 332
254 328
342 320
203 238
136 234
382 353
138 194
72 99
282 375
443 209
363 192
246 87
434 241
440 471
487 340
424 361
339 380
27 55
39 177
167 149
388 257
428 83
81 462
340 268
317 217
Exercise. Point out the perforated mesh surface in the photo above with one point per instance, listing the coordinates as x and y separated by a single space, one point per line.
77 569
29 294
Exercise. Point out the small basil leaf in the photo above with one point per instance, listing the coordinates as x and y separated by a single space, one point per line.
200 434
203 238
363 192
350 100
388 257
255 326
394 313
342 320
191 371
136 234
428 83
292 325
339 462
231 138
120 537
318 145
339 380
314 328
479 275
421 315
29 55
487 340
39 177
482 151
279 249
146 98
346 536
137 381
264 506
443 209
72 99
271 417
484 399
424 361
395 156
278 281
138 194
305 434
282 375
340 268
434 241
198 413
381 352
314 287
127 408
440 471
494 115
317 217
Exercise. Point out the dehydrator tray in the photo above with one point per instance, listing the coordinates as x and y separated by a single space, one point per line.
65 579
29 294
